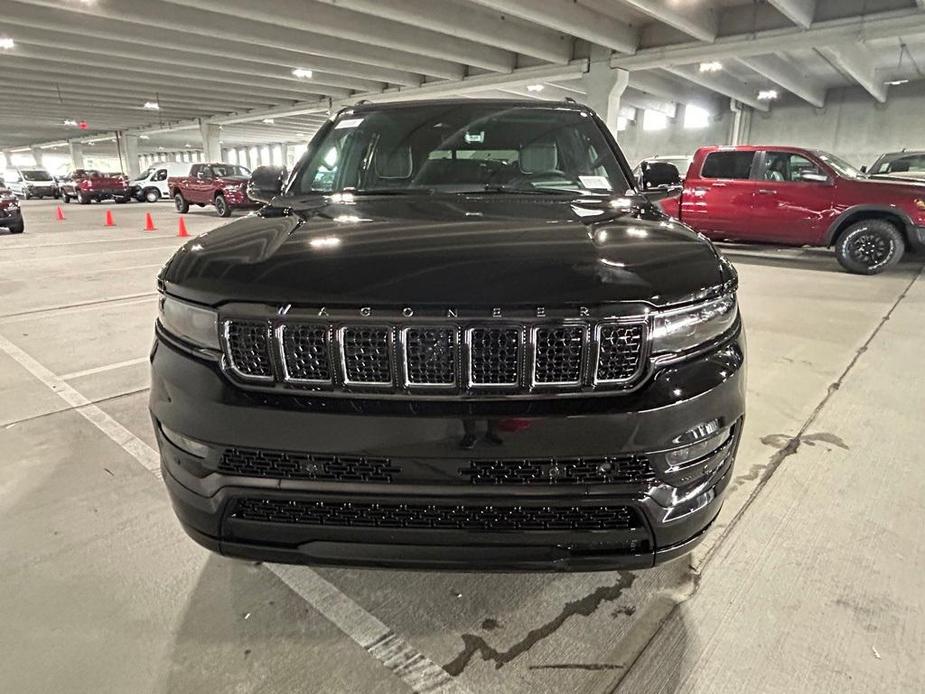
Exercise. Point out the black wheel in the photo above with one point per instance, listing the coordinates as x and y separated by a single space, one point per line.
17 228
181 204
869 247
222 206
26 195
152 194
121 200
65 197
83 199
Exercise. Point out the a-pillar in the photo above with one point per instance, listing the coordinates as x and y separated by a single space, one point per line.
130 151
37 155
604 86
211 148
77 155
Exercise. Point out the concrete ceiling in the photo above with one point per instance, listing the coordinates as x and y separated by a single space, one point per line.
231 61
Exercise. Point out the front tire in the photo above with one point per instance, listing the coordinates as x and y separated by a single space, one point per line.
181 204
17 228
152 195
869 247
83 199
65 198
222 206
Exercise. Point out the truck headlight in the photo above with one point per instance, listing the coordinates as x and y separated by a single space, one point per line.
194 324
680 330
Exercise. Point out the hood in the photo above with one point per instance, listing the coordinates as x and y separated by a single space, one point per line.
481 250
232 179
893 184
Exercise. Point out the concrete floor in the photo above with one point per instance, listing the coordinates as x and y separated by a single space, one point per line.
813 579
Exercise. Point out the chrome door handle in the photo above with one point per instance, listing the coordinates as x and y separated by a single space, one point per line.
767 191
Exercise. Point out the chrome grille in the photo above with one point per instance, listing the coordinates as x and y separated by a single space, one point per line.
494 355
620 357
366 353
306 352
248 349
430 356
558 355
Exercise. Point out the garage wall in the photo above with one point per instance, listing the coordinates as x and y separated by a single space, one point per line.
638 144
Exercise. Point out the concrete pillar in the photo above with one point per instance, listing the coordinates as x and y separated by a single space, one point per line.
211 149
7 159
37 155
604 86
130 155
77 155
741 127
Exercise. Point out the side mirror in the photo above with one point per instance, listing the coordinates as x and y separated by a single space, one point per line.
266 182
813 177
659 174
864 169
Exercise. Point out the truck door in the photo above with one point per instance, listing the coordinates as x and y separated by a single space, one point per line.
718 199
202 183
793 198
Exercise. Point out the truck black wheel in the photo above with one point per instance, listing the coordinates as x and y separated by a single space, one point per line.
181 204
18 227
222 206
83 199
152 194
869 247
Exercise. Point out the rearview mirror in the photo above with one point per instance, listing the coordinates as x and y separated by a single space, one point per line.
266 182
659 174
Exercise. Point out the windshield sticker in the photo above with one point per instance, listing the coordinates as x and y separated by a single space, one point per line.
475 137
348 123
595 182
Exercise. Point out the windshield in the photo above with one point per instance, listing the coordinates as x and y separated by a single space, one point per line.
842 168
36 175
461 148
229 171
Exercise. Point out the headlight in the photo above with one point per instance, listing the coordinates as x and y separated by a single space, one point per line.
684 329
193 324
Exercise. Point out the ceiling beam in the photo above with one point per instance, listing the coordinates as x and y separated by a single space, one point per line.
572 18
647 102
195 22
320 18
482 25
698 20
857 62
668 88
873 26
800 12
722 84
549 92
785 74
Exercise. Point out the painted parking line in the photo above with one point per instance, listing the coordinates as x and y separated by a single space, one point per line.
85 273
102 369
416 670
45 311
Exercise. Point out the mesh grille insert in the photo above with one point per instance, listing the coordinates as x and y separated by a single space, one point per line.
495 356
431 356
294 465
249 348
541 471
367 357
620 352
491 518
306 351
558 354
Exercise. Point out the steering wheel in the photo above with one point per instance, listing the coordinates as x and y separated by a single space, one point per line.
549 173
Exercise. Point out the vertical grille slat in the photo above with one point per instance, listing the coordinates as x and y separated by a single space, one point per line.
306 352
248 344
367 354
494 356
430 356
620 357
557 354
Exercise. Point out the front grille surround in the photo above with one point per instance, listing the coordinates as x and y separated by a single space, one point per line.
402 363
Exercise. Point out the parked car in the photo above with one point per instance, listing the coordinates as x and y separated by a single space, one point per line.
907 166
222 185
87 185
801 197
151 184
34 182
10 212
455 336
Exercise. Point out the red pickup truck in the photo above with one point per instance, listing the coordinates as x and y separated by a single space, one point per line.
222 185
87 185
800 197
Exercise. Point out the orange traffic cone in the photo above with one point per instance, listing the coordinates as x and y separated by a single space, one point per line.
181 231
149 222
110 222
59 213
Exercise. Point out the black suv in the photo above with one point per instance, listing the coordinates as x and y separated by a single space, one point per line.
458 337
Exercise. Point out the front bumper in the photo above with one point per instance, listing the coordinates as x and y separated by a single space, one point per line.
422 512
238 199
10 216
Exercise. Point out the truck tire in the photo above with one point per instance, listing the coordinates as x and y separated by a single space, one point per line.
222 206
83 199
869 247
152 194
180 203
65 198
17 228
26 194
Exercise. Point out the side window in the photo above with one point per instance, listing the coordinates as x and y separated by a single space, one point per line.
161 175
195 170
904 164
730 165
790 168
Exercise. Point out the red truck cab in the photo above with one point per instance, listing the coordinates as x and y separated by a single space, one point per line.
219 184
801 197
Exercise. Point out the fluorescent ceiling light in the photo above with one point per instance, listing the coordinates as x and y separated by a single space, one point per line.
70 123
268 121
152 106
187 145
535 87
767 95
144 137
896 83
712 66
302 73
7 43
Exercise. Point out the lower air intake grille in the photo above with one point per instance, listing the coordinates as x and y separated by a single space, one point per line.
249 348
306 351
558 355
620 352
367 355
600 470
450 517
495 356
306 466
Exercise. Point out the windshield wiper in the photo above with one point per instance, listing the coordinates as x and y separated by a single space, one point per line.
514 190
391 191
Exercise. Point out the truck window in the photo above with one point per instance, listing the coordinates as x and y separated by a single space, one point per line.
784 166
735 165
